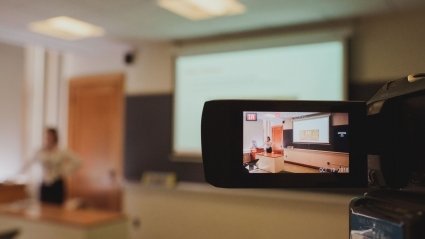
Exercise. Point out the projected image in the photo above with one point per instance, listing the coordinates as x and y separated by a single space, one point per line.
313 129
262 73
295 142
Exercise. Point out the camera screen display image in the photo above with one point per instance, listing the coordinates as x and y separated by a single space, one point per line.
261 143
296 142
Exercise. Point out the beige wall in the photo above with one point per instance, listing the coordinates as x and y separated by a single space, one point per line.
152 71
11 108
77 64
388 47
196 211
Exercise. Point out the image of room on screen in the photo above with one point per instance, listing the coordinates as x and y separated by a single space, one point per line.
295 142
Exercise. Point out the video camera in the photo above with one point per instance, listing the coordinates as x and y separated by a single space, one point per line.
318 144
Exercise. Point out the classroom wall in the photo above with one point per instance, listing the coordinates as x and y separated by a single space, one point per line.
253 130
11 108
388 46
152 71
78 64
198 211
149 73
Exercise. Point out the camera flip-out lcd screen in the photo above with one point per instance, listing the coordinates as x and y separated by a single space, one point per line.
295 142
257 144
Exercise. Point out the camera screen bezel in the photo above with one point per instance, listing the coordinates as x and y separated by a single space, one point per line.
222 144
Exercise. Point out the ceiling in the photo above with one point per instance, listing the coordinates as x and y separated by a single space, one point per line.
135 20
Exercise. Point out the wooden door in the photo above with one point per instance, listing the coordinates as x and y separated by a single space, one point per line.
95 133
277 139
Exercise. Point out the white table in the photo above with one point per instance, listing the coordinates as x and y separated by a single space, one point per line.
270 162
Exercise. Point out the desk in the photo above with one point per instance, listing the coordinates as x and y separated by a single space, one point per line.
55 222
12 192
270 162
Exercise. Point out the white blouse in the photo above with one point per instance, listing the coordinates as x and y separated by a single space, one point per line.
56 164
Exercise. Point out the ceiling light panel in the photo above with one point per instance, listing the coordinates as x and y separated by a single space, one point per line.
66 28
202 9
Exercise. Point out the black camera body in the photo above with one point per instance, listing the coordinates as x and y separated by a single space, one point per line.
388 214
396 130
317 144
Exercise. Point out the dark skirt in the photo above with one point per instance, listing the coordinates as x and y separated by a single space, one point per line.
269 150
53 193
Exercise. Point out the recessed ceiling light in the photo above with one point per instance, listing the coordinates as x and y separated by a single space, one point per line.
66 28
202 9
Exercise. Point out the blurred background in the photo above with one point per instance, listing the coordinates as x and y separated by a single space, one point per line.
124 82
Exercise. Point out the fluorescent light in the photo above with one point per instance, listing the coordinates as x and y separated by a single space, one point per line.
66 28
202 9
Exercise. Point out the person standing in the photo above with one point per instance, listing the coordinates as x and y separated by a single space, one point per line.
56 164
268 145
